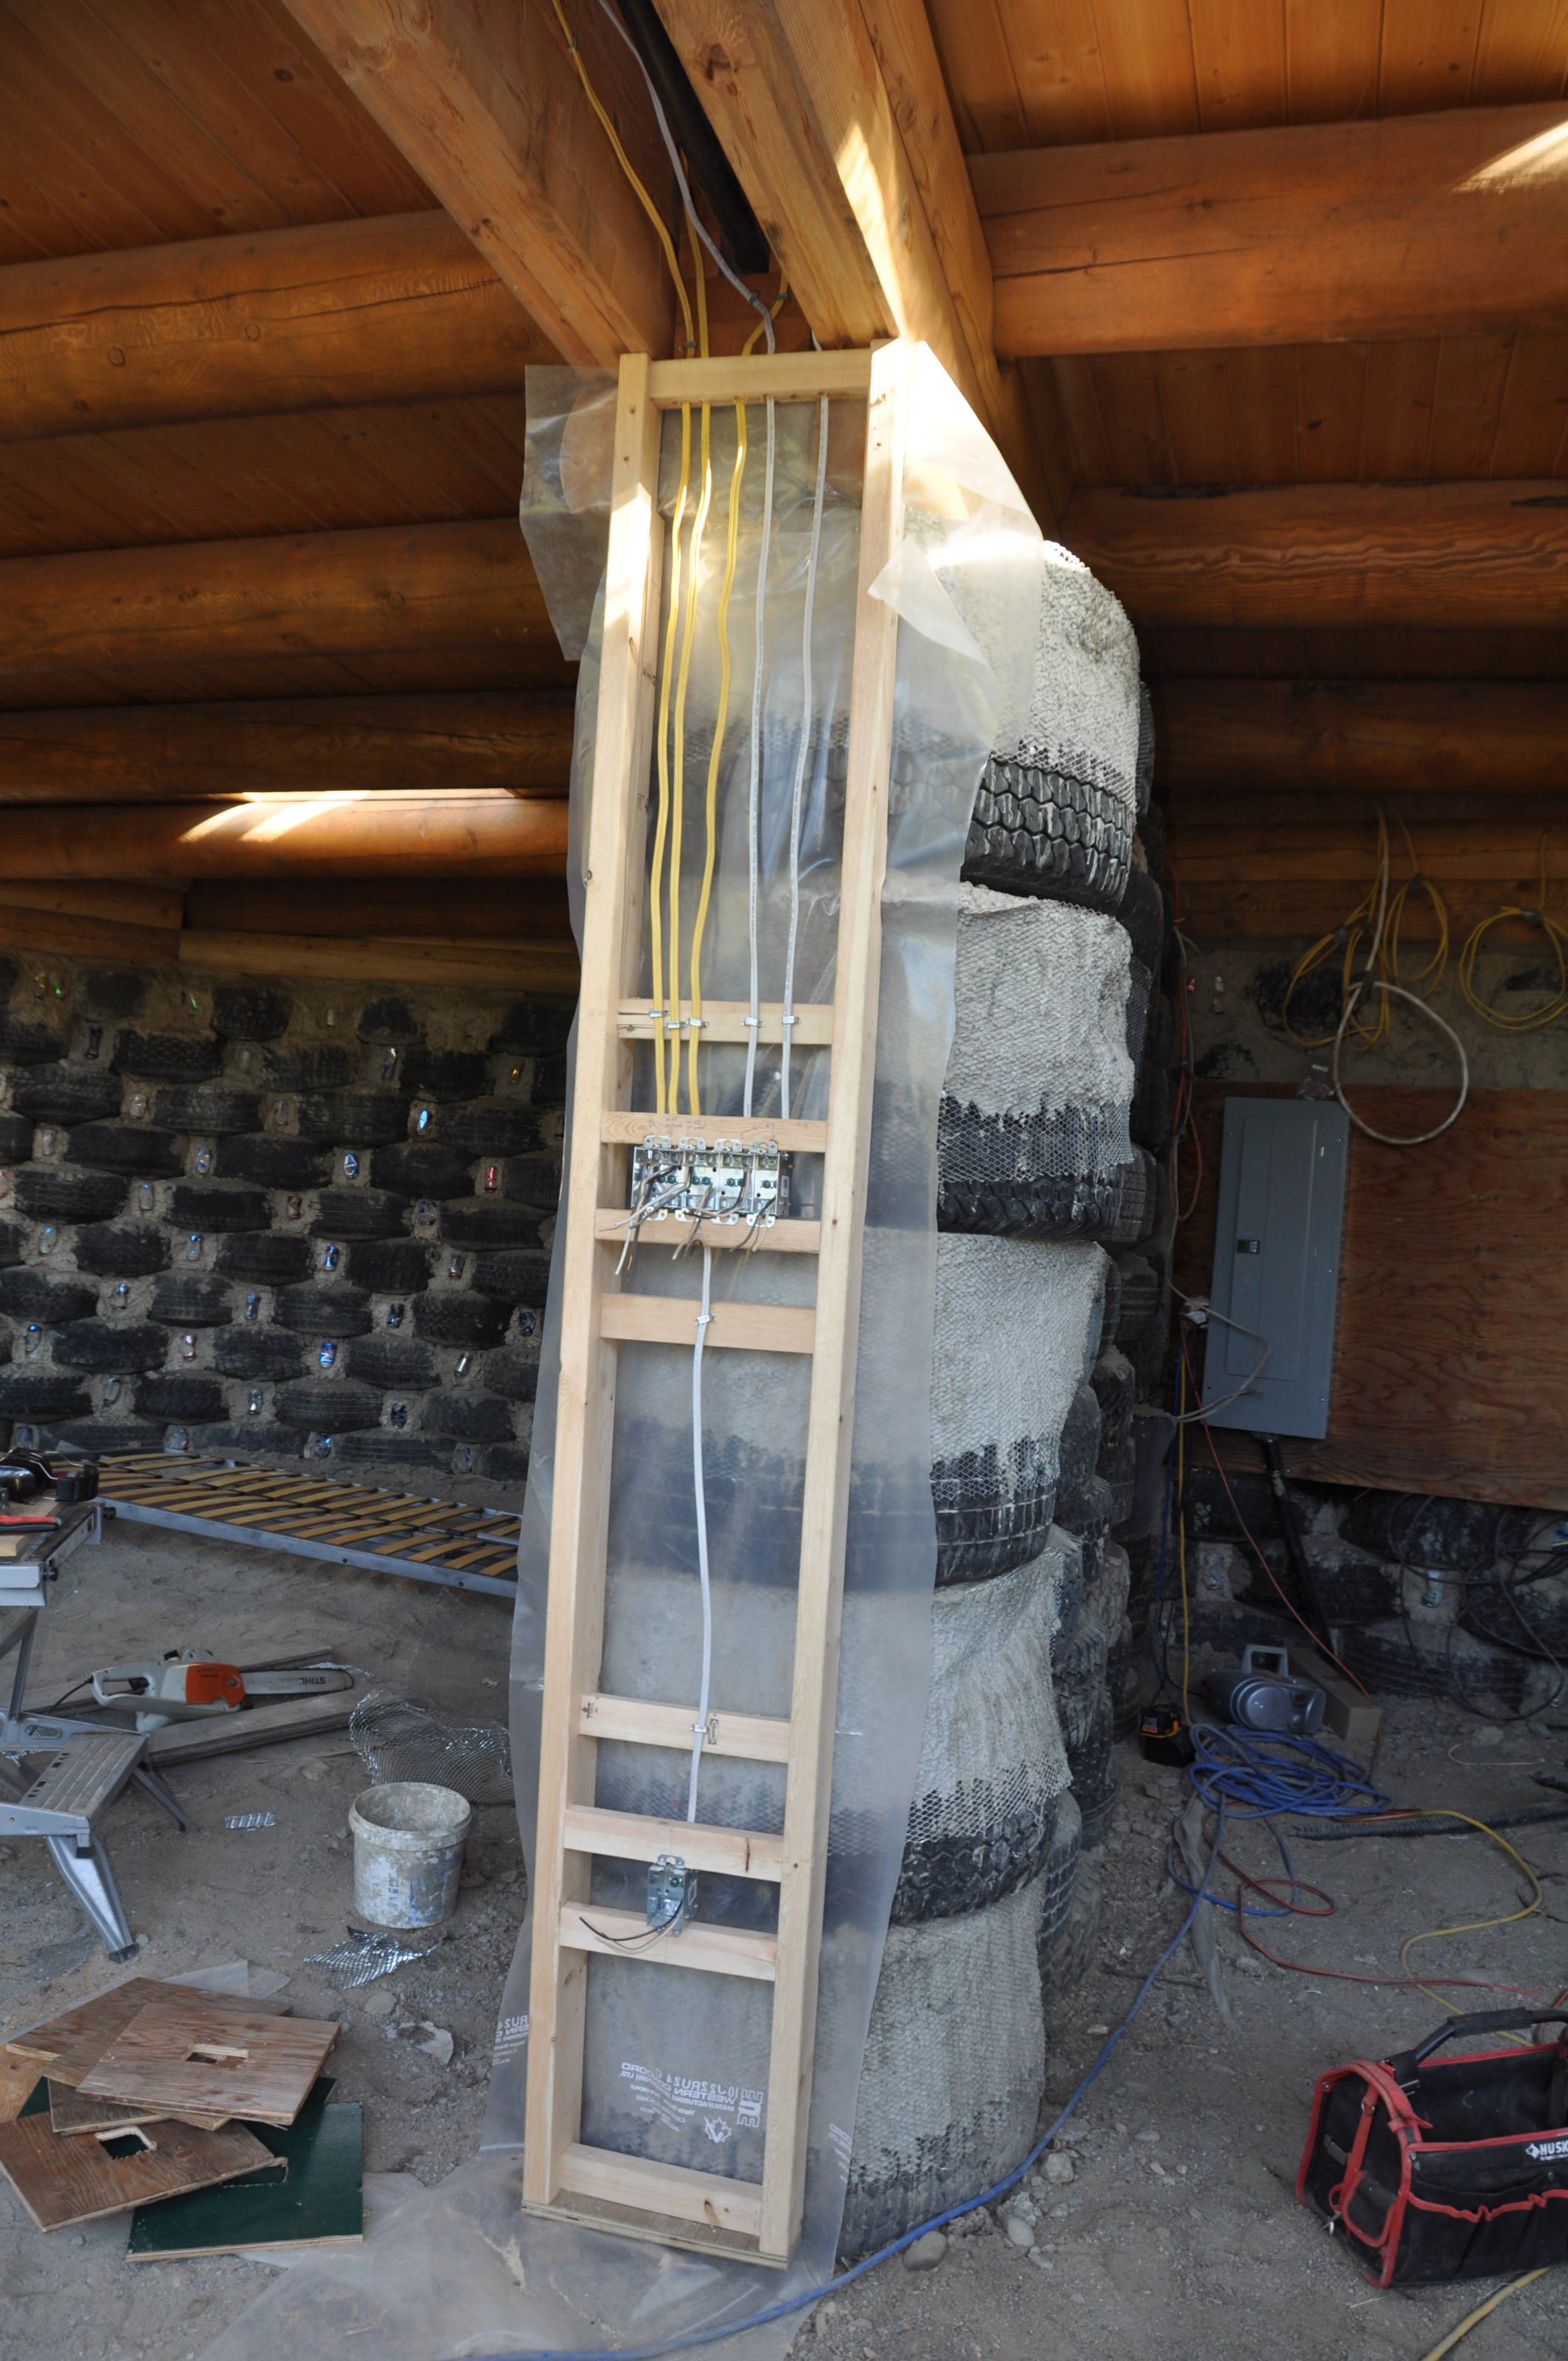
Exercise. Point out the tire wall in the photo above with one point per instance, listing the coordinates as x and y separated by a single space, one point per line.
1030 1395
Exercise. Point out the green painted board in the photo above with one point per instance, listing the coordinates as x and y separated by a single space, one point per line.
36 2102
319 2202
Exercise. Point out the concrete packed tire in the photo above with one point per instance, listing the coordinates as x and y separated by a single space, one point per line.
1036 829
1529 1615
1059 801
1058 1874
1118 1466
993 1765
1123 1678
1065 1962
1078 1683
1139 1297
1032 1130
1143 775
1069 1595
1088 1518
1412 1658
1016 1323
1107 1600
1077 1452
1111 1380
955 2062
1428 1530
1096 1777
1139 1202
1142 914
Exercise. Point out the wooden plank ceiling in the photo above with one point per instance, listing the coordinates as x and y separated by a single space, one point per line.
271 272
190 558
1441 410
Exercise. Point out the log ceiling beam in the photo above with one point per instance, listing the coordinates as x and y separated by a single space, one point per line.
388 589
1299 555
836 117
392 309
485 102
1491 738
1419 225
515 738
388 835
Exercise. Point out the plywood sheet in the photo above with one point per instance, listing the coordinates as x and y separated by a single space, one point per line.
1450 1360
71 2116
319 2203
205 2060
71 2044
61 2182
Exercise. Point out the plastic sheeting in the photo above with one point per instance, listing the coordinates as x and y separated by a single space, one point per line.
672 2054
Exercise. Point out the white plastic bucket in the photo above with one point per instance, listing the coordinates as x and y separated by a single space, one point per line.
408 1852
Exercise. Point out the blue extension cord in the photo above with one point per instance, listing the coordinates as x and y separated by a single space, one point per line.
716 2335
1256 1773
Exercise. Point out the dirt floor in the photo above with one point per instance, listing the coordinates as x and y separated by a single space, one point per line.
1167 2224
268 1895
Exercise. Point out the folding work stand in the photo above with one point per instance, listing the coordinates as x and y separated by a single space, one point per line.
561 2174
88 1763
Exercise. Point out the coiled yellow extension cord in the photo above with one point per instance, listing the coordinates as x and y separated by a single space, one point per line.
1533 1020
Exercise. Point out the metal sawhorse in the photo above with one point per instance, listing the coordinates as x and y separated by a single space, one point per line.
88 1763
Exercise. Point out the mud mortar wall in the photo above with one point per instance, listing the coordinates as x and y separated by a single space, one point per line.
241 1217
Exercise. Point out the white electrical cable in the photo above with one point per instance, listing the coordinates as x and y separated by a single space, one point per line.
699 1727
694 218
753 1021
787 1024
1423 1008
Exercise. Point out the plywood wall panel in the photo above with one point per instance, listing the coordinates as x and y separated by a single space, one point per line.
1450 1361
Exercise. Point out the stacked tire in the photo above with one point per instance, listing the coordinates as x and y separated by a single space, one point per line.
1035 1439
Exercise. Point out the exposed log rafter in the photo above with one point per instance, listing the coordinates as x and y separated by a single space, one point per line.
1432 225
486 105
1301 556
498 738
838 122
295 319
1491 738
388 589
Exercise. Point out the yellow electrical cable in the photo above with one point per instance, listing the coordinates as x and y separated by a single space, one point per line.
688 636
1368 940
624 160
716 753
1472 2319
773 310
1474 1926
661 824
663 1017
1550 1010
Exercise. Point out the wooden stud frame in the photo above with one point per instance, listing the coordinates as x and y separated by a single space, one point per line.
561 2175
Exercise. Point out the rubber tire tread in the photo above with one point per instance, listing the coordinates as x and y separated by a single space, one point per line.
1044 832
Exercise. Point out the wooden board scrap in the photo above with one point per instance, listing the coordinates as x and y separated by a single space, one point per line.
62 2181
17 2076
70 2115
320 2203
202 2060
71 2044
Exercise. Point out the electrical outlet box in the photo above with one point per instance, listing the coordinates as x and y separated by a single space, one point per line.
1269 1362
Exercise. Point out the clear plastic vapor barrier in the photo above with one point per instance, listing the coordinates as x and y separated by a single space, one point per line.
756 643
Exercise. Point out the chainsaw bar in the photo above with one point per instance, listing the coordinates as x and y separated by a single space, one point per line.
314 1680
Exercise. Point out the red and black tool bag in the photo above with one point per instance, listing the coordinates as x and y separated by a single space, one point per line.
1446 2168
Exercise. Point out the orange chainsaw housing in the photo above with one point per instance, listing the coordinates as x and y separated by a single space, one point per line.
213 1685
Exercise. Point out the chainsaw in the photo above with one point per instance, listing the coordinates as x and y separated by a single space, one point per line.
192 1688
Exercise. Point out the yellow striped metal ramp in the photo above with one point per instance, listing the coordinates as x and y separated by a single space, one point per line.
329 1519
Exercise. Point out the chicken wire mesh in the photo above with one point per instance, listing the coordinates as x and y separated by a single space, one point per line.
397 1737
